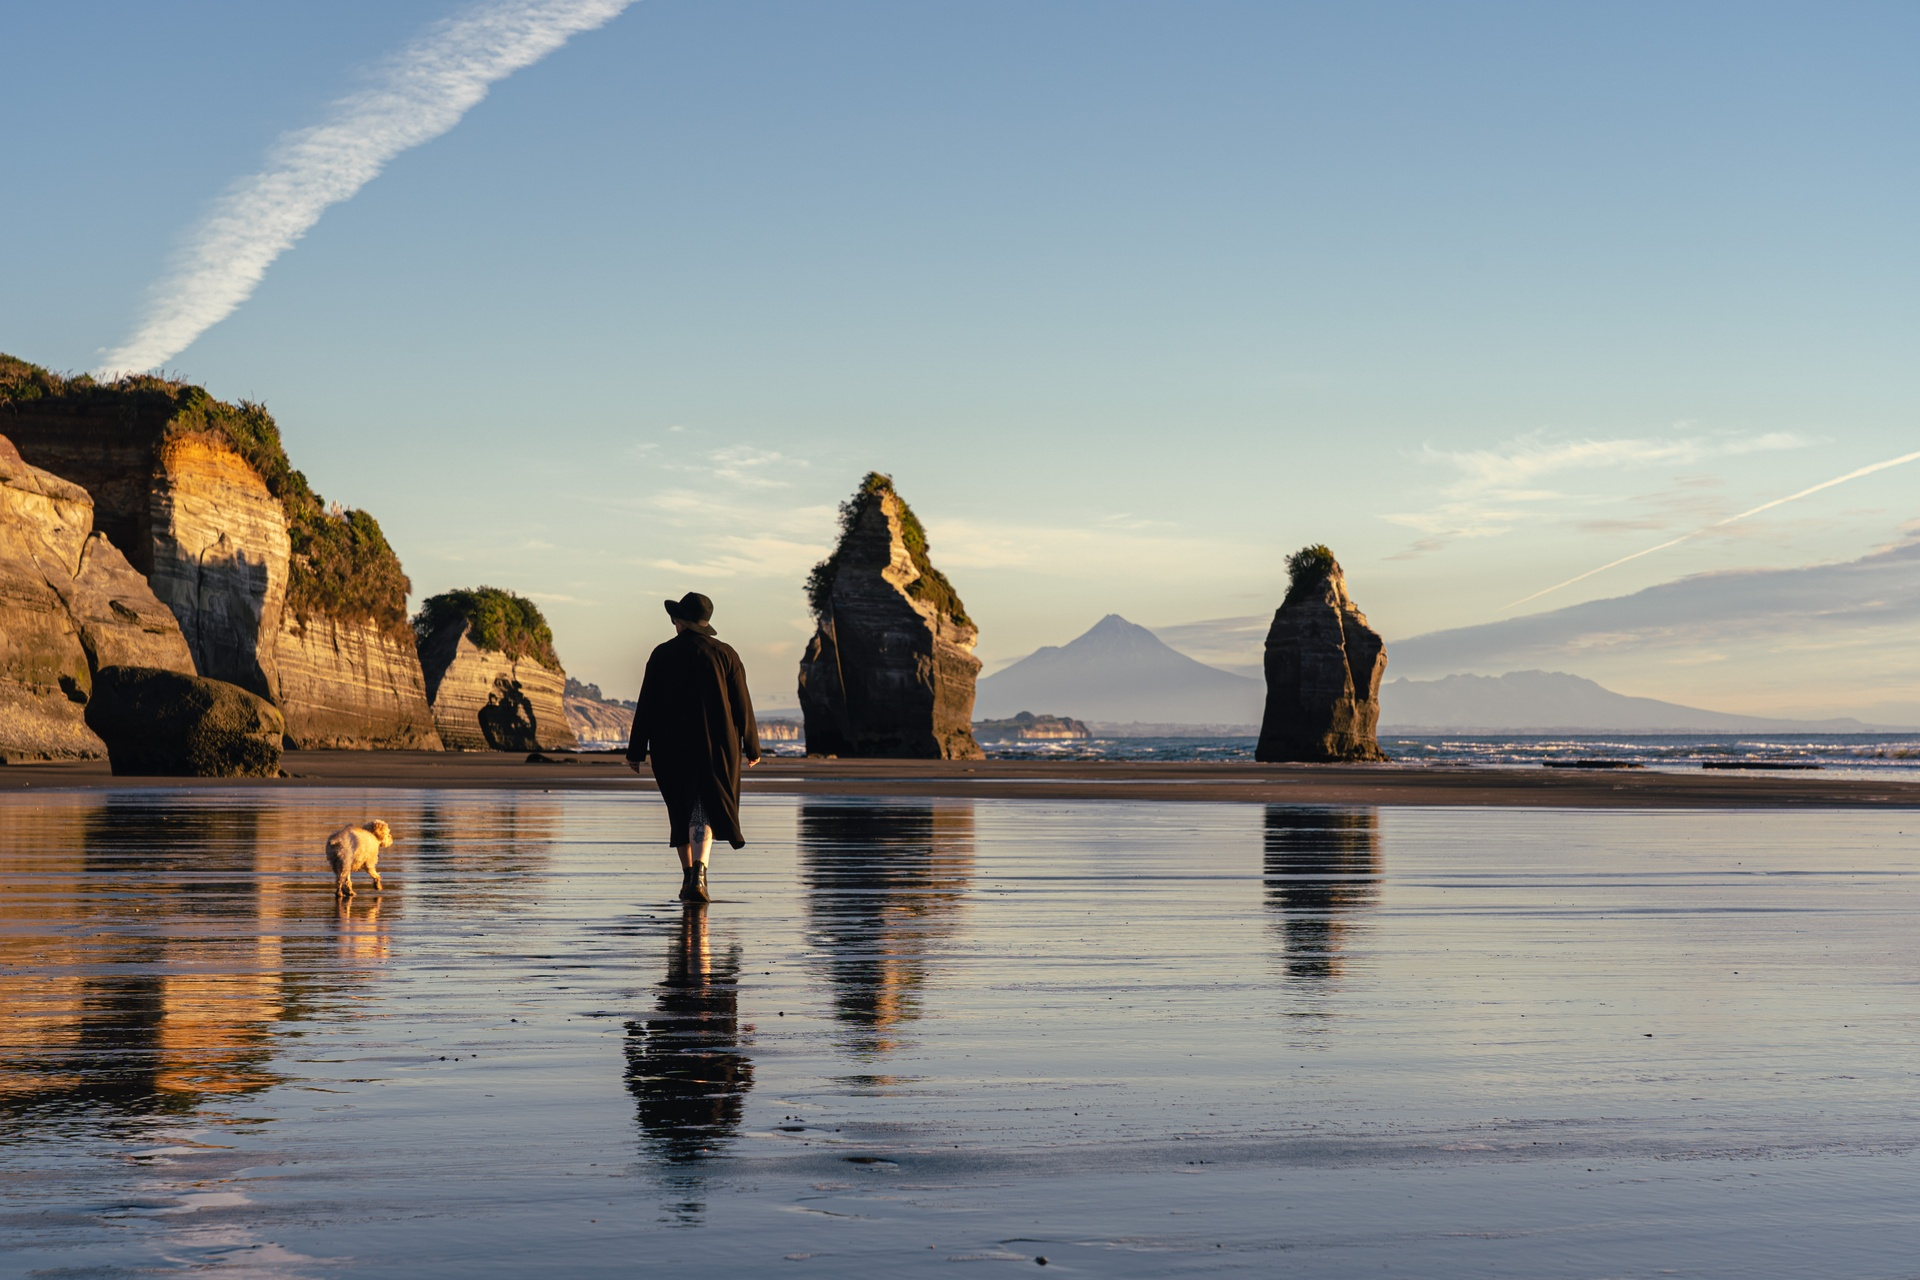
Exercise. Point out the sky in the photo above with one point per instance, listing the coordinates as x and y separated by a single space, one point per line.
1131 299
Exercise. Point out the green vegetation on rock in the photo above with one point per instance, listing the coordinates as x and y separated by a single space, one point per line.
498 620
342 565
1308 567
931 587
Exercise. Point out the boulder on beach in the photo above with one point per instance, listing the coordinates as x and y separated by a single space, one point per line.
275 590
492 676
890 670
69 605
159 723
1323 666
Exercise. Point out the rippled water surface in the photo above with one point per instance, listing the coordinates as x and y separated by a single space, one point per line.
1133 1039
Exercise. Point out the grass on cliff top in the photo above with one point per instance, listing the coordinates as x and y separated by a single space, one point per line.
342 566
498 620
1307 568
931 587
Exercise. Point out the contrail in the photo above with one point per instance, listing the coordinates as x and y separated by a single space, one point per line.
1902 460
422 92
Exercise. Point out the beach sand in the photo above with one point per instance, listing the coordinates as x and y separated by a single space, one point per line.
1374 784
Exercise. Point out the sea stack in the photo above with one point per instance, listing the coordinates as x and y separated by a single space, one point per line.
295 600
493 678
70 605
1324 665
890 669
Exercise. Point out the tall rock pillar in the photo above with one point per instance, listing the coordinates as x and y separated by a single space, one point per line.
1324 665
890 670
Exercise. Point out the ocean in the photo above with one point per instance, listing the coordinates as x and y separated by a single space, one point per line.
1859 754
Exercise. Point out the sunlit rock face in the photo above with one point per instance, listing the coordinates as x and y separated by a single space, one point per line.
220 552
890 670
189 514
1324 665
294 601
351 683
484 700
70 604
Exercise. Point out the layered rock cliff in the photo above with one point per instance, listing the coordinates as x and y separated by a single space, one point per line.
1324 665
890 670
275 591
351 683
70 605
492 676
597 720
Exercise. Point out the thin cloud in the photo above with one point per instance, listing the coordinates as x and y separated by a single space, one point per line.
1496 491
752 468
422 92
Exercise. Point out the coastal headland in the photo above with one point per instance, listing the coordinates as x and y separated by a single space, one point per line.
1334 784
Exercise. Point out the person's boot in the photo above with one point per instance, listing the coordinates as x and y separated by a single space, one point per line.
690 890
699 884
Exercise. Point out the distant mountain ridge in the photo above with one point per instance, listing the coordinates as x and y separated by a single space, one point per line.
1118 671
1522 701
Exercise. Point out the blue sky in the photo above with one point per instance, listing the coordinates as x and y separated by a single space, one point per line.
1132 299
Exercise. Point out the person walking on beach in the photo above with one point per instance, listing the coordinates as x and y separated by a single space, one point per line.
694 717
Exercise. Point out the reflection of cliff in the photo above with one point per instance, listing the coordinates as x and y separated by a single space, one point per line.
1322 866
884 882
144 969
684 1065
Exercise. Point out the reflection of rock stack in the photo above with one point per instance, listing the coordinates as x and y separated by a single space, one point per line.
1322 865
1324 665
890 670
684 1065
884 882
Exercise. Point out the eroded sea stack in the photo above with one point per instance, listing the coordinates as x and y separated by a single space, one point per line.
890 670
293 600
1324 665
70 605
493 678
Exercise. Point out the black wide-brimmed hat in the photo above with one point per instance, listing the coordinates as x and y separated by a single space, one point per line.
693 609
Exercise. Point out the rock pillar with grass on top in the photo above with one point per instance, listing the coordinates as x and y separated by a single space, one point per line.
1323 665
890 670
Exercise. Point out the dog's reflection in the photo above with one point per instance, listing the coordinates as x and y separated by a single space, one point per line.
359 937
684 1065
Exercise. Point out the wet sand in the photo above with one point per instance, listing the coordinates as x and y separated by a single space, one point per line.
1136 1039
1389 784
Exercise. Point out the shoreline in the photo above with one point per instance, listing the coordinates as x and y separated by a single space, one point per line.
1230 782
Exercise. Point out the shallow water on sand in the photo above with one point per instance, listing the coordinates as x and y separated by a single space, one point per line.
1134 1039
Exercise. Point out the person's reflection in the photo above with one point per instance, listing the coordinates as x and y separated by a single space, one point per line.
883 882
684 1065
1322 866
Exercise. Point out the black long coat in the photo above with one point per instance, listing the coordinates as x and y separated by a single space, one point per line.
694 717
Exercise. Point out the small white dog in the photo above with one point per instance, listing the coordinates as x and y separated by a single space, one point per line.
352 849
